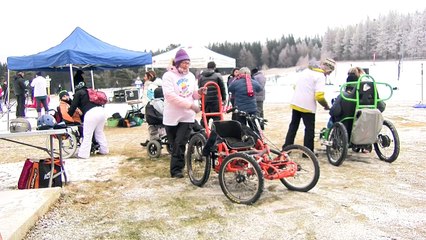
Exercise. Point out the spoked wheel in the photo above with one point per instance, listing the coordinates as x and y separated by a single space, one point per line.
308 170
337 146
241 179
198 166
69 144
388 144
154 149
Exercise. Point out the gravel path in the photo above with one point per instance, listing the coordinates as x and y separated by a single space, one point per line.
127 196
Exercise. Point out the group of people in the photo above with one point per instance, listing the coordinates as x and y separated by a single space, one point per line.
182 90
38 88
76 111
246 91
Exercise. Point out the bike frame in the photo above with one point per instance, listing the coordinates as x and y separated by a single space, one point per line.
272 168
211 114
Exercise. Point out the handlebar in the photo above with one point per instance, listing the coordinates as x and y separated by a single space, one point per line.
245 114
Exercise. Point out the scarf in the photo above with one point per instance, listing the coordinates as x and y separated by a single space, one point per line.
250 92
249 85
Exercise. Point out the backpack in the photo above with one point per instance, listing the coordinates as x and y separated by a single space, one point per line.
57 115
36 174
152 116
123 122
97 97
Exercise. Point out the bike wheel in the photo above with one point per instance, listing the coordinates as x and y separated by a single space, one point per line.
387 146
241 179
154 149
308 170
337 146
69 145
197 165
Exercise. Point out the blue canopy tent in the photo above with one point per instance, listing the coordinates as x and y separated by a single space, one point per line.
80 50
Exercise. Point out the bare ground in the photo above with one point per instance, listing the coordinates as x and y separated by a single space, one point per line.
133 197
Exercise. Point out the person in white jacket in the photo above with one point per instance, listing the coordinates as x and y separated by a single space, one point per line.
40 93
309 90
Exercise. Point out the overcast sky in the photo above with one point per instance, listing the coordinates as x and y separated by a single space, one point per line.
30 26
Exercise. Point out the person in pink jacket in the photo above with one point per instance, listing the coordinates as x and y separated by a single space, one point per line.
181 93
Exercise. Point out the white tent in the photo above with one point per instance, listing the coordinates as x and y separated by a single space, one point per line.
199 56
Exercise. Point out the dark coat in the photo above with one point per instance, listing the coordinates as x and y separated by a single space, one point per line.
81 101
210 76
19 86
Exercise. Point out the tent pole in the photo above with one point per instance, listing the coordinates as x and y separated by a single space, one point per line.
93 80
72 79
422 83
8 99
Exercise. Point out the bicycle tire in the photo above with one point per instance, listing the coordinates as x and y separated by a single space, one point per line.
308 170
198 166
385 141
337 149
244 184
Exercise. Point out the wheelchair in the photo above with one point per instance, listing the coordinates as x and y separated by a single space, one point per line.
154 147
243 159
366 128
70 141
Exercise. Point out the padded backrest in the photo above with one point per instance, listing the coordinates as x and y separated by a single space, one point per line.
366 93
228 129
367 126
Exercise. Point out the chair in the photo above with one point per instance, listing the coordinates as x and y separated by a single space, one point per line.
233 135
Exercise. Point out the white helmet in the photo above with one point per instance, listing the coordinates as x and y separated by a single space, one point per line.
20 125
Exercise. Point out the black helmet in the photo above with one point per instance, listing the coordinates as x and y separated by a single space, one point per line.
45 122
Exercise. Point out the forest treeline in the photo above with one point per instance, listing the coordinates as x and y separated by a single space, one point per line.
392 36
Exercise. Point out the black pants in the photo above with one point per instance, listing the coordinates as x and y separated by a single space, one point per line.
20 105
308 121
178 137
211 107
259 108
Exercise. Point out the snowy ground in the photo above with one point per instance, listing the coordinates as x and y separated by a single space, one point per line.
125 195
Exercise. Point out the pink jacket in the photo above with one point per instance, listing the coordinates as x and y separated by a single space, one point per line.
180 91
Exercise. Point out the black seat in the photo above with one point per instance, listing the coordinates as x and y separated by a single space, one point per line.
232 133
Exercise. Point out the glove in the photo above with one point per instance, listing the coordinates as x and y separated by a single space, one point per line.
195 108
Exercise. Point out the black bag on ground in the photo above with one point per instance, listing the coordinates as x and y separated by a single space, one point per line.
39 174
45 166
